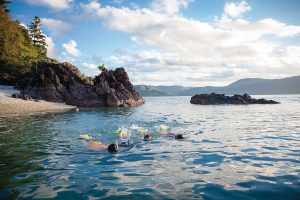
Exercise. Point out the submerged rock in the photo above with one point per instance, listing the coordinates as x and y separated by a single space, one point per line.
63 82
216 99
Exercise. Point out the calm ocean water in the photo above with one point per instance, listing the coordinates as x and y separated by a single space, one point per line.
230 152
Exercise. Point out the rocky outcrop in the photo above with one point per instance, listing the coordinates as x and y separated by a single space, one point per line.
22 96
63 82
216 99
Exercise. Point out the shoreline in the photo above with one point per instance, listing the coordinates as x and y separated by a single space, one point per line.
12 106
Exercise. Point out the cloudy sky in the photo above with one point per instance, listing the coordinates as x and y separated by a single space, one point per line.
172 42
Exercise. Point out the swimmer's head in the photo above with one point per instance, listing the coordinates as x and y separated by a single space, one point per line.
147 137
113 148
178 136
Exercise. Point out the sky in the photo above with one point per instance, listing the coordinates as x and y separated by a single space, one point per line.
172 42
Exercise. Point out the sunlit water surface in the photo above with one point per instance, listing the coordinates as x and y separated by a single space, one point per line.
230 152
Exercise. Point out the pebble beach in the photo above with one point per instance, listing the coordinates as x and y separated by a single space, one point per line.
10 105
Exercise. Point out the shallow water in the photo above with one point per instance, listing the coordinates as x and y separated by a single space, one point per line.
230 152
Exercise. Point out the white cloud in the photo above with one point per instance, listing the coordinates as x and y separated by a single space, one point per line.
91 69
197 53
71 49
92 5
57 27
51 50
235 10
66 58
169 7
55 4
24 25
90 66
257 29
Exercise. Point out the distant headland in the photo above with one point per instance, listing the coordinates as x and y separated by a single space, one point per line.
252 86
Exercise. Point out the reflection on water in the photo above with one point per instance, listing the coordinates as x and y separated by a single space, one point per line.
240 152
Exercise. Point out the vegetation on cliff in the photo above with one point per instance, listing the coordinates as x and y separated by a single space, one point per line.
20 49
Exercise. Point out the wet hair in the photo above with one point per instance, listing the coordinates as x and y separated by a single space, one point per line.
178 136
147 137
112 148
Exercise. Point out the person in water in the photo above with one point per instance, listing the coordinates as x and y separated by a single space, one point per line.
123 141
147 137
176 136
85 137
112 148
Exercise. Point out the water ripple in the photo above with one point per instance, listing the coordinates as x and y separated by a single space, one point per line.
229 152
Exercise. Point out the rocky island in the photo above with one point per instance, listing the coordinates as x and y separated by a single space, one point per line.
64 83
217 99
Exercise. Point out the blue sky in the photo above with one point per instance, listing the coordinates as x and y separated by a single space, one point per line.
172 42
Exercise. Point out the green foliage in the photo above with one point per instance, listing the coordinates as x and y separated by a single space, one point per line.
37 36
16 48
102 67
18 53
4 5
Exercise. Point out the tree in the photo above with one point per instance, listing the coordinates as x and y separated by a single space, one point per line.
102 68
37 36
4 5
20 49
17 51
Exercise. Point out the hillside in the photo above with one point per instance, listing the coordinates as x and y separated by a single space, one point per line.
146 90
289 85
19 53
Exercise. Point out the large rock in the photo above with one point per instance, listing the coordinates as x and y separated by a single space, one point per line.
216 99
63 82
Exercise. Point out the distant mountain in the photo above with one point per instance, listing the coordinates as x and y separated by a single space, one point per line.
147 90
252 86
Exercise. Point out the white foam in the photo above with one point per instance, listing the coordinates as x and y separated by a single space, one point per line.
162 128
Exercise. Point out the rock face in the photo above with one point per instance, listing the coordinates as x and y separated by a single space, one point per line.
63 82
216 99
22 96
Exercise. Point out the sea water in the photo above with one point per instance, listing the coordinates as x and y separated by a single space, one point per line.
229 152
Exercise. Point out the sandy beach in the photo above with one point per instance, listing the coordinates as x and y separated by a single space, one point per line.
9 105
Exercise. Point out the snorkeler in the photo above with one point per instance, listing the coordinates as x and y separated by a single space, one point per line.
123 142
85 137
176 136
163 131
123 137
147 137
112 148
